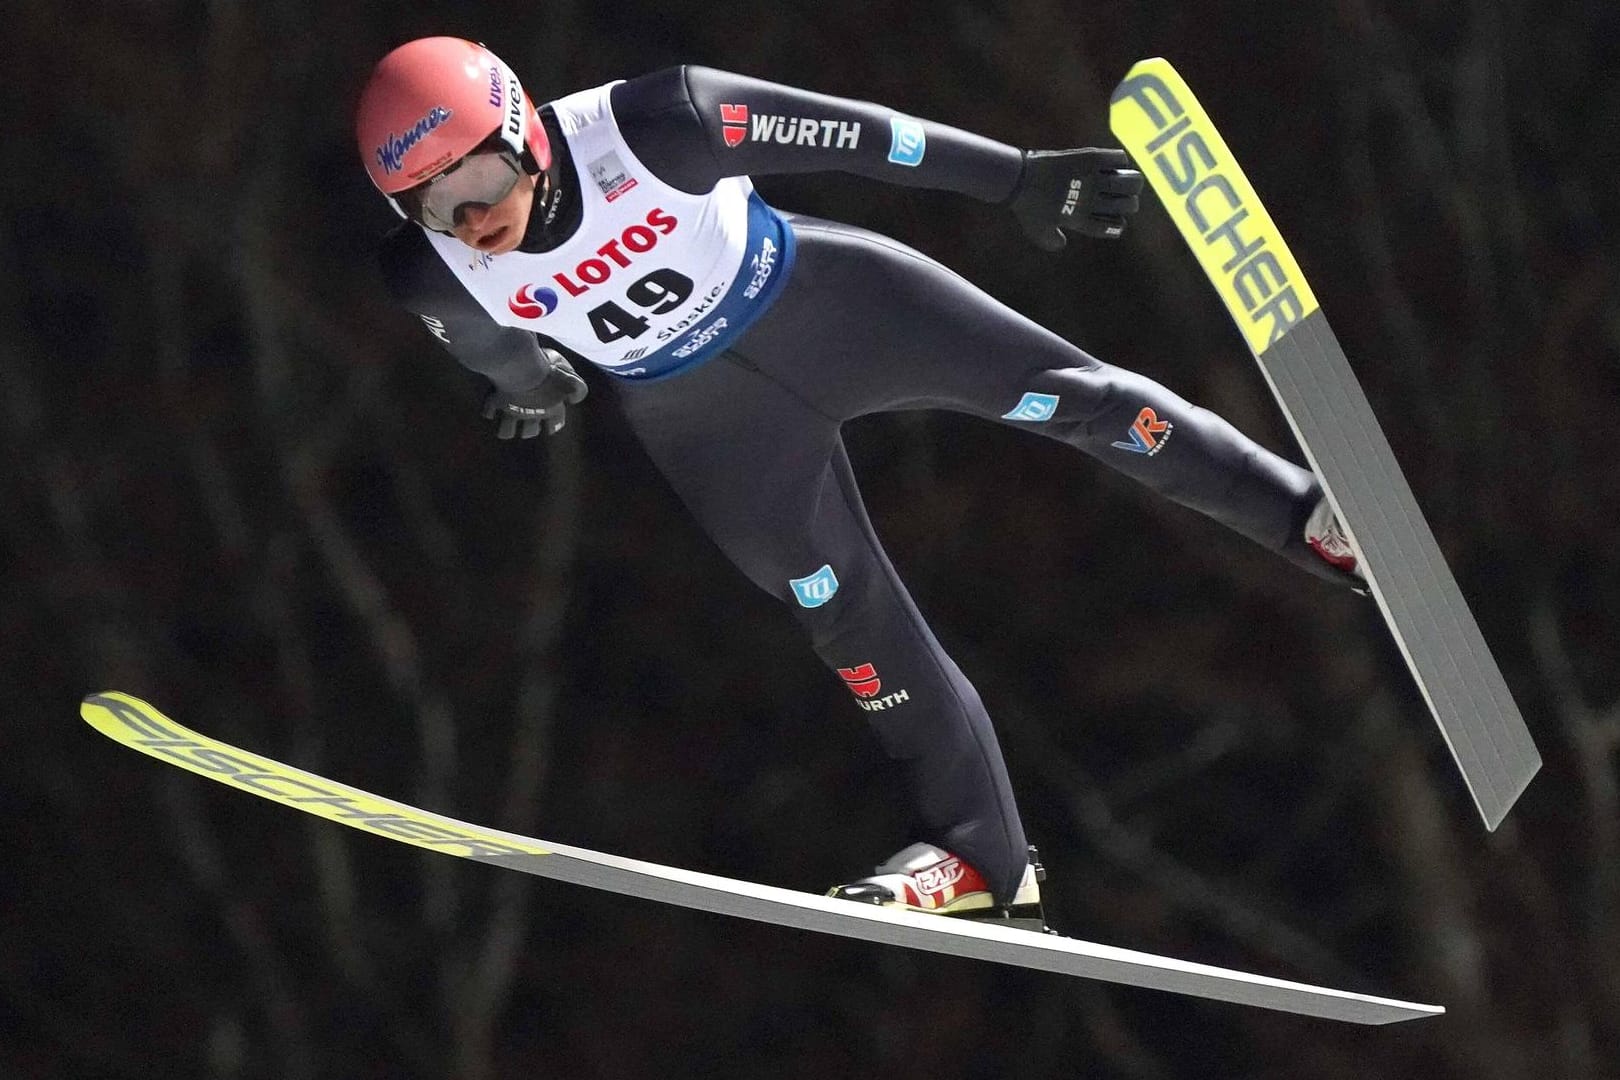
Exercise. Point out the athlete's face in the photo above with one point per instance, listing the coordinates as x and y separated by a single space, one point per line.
497 228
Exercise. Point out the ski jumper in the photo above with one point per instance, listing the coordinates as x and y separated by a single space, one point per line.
740 339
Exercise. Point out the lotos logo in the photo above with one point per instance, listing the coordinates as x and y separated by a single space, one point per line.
530 302
735 119
391 154
634 240
1148 434
862 680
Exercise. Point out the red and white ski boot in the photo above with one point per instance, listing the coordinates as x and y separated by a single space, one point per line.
925 878
1328 539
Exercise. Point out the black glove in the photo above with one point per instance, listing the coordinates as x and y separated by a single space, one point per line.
1085 191
522 412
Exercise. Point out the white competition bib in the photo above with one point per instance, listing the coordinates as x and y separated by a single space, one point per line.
654 279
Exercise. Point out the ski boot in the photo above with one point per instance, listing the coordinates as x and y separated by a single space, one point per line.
929 879
1327 538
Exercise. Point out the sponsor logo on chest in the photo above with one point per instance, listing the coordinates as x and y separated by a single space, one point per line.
611 177
617 254
762 264
532 302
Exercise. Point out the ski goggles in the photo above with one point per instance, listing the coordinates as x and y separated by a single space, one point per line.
482 178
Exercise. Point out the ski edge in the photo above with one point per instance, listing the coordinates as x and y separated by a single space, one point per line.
1270 301
138 725
1419 598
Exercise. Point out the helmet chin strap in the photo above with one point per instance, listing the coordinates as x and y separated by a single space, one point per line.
551 200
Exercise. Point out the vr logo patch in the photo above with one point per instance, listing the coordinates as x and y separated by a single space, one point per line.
1148 434
817 589
1035 408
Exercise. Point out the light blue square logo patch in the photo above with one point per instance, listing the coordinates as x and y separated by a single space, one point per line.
908 142
1035 408
817 589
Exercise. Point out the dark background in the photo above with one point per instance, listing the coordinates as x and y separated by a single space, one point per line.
237 483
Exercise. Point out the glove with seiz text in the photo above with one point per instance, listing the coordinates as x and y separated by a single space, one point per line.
523 413
1088 191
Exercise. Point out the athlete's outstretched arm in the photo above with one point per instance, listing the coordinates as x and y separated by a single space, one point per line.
694 125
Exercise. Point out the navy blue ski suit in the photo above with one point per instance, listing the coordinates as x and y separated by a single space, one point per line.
749 437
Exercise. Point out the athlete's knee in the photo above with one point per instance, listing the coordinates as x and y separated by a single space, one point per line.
1099 393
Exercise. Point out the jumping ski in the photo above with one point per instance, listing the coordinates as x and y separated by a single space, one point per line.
1170 137
138 725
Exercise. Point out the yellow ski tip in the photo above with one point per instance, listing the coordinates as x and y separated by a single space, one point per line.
1157 119
127 719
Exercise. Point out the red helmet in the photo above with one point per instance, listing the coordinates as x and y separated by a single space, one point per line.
433 101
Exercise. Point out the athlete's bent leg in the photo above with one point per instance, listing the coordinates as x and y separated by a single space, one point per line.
1180 450
893 329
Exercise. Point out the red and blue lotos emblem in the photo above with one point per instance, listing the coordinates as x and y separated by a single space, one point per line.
530 302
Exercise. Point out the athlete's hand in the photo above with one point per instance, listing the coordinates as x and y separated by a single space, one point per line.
523 414
1088 191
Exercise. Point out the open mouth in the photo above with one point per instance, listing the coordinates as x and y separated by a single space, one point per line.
492 238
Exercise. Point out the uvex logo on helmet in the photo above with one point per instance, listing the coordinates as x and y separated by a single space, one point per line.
514 110
391 154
